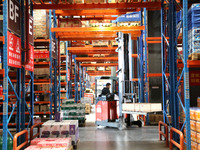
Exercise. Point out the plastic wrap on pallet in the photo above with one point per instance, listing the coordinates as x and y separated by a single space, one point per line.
194 16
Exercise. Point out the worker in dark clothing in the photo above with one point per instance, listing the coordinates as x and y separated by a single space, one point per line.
106 90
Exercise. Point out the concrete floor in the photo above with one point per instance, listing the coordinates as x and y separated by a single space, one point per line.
145 138
92 138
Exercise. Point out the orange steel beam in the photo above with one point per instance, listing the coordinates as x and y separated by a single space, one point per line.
93 52
95 33
155 5
93 59
98 29
156 74
134 55
89 18
96 12
100 65
86 38
2 39
91 48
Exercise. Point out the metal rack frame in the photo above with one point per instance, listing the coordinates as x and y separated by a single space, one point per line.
171 84
21 89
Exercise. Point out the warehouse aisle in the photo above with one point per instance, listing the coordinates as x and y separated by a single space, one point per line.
145 138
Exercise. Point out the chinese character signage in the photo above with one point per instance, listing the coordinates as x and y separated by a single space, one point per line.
194 78
30 65
14 50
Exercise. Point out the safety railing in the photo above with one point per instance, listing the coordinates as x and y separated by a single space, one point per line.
25 143
31 131
162 133
172 142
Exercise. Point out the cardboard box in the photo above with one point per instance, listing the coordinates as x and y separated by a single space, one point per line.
193 125
36 108
64 129
198 137
43 108
198 126
194 145
137 107
152 118
128 107
55 130
145 107
193 136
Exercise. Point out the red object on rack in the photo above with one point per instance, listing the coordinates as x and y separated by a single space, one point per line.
106 111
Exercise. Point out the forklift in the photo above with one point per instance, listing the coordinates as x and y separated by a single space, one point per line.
109 108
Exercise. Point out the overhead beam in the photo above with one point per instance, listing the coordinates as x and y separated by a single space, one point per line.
98 29
96 59
100 65
91 48
96 12
154 5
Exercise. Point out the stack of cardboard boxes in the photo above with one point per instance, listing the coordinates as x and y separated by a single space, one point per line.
73 111
41 24
142 107
195 128
63 129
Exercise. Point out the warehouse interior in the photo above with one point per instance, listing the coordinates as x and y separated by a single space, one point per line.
99 74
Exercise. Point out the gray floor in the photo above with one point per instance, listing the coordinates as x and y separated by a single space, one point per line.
145 138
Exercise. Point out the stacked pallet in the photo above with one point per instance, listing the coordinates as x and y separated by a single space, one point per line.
56 143
194 32
41 24
73 111
195 128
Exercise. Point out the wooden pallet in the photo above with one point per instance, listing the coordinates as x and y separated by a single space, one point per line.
71 148
75 146
194 56
81 124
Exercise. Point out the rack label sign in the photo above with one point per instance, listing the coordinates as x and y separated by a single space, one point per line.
14 16
31 39
54 49
14 50
30 65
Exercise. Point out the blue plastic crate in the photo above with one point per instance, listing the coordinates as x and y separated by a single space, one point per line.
134 16
194 16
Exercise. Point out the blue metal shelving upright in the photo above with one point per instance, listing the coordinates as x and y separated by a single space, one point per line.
20 104
170 85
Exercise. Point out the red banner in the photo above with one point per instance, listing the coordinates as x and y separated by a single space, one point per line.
194 78
30 65
14 50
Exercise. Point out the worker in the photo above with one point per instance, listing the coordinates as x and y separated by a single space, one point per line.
106 90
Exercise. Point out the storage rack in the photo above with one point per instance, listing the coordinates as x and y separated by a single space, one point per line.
21 89
170 66
134 6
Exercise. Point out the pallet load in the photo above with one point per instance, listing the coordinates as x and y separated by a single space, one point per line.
142 107
41 24
195 128
87 102
194 31
63 129
51 144
73 111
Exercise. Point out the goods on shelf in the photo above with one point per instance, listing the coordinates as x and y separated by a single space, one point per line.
50 143
97 43
142 107
198 102
87 108
90 95
41 24
62 48
96 23
194 29
63 129
72 110
195 128
155 118
76 23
